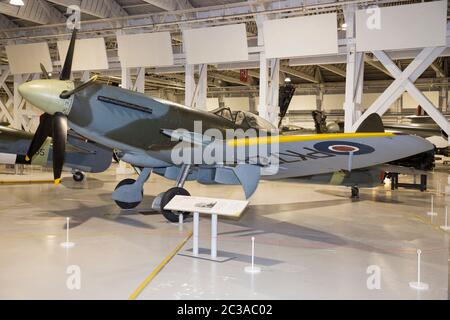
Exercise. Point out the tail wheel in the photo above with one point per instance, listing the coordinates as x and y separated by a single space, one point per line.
173 216
78 176
127 205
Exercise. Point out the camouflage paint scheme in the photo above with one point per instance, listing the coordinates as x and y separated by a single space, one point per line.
81 155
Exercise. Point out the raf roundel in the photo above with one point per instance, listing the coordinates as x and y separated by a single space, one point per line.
343 148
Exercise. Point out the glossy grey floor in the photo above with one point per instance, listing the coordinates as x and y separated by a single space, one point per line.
312 242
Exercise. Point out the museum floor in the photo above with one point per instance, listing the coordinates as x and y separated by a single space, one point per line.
312 242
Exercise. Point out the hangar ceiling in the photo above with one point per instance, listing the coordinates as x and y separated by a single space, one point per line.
43 20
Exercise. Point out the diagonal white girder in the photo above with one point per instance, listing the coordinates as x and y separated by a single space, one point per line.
96 8
4 107
404 81
415 93
37 11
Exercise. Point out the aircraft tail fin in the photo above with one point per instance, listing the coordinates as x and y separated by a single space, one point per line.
373 123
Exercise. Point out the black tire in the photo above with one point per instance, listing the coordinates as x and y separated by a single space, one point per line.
167 196
355 193
127 205
78 176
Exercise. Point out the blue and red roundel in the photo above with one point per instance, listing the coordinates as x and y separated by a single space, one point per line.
343 147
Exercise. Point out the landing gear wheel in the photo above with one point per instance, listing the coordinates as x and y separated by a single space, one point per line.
173 216
127 205
78 176
355 193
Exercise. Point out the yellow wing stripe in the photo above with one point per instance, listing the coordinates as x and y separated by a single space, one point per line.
286 139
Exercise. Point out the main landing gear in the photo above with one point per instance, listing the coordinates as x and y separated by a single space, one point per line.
164 198
355 192
129 193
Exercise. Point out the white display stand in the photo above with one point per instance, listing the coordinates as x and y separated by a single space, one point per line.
209 206
67 244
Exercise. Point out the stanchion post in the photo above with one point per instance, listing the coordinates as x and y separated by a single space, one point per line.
213 236
67 244
419 285
432 213
195 236
252 268
446 227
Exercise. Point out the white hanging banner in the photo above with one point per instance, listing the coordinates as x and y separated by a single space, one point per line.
145 50
411 26
301 36
90 54
26 58
216 44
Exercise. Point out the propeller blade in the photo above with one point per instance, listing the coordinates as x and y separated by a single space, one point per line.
43 131
44 72
68 94
59 144
67 69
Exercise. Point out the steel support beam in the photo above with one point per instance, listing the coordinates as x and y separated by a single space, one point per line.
37 11
96 8
377 65
334 69
404 81
263 70
354 73
4 107
299 74
170 5
202 87
273 109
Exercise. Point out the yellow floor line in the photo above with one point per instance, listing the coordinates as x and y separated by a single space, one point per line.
26 181
163 263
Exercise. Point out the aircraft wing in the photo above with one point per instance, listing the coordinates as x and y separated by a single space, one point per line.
81 154
316 154
247 160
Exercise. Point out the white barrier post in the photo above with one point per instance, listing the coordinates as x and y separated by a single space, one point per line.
214 236
446 227
432 213
418 285
195 240
252 268
67 244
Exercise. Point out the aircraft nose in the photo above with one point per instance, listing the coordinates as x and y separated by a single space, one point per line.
44 94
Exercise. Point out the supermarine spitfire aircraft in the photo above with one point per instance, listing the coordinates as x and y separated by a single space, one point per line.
147 131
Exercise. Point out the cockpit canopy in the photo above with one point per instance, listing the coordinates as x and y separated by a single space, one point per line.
244 119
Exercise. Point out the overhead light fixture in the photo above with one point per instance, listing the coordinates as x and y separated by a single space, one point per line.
287 79
16 2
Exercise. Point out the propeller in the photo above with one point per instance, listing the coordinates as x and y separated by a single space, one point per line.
45 74
84 85
67 68
55 125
